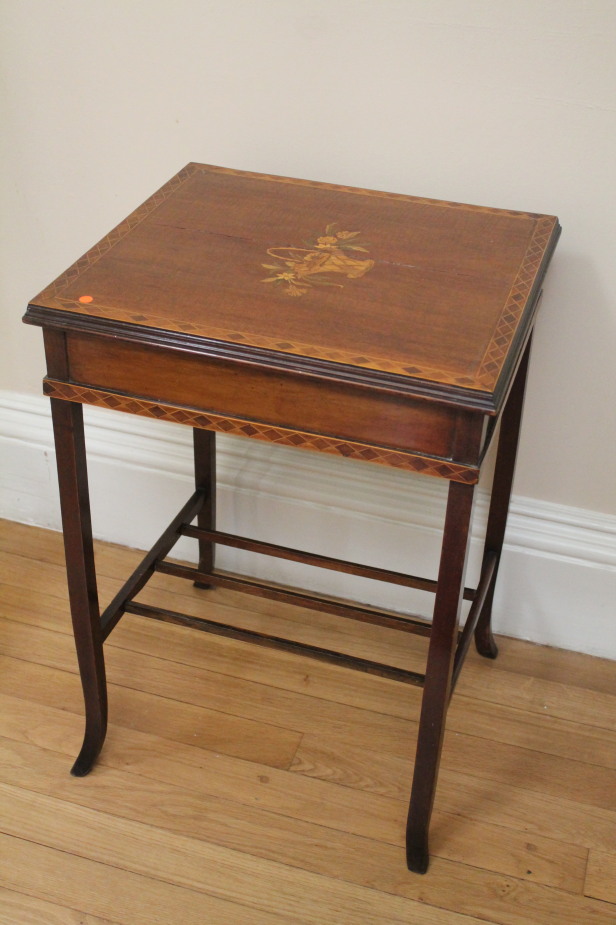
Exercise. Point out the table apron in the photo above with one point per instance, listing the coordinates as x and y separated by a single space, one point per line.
275 405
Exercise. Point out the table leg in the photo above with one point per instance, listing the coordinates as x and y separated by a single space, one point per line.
501 494
438 672
81 575
204 442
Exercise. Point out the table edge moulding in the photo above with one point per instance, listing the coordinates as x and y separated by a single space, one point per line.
374 326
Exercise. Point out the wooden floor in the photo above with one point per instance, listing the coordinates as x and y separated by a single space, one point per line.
241 785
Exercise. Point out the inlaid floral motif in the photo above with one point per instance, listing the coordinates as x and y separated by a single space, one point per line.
298 269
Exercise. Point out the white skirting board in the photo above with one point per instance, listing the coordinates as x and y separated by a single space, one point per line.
557 584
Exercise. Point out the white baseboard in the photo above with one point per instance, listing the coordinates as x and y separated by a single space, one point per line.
557 584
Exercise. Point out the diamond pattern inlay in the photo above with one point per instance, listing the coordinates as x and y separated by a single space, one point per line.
503 334
483 378
280 435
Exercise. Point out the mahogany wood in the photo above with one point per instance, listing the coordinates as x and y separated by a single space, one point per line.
437 686
485 588
504 470
204 446
149 563
277 642
81 574
79 552
524 832
196 416
382 327
266 395
327 605
458 281
296 555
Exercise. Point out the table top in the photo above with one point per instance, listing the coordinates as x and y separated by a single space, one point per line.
426 297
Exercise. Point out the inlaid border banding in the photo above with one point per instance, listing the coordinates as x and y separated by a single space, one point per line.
485 377
282 436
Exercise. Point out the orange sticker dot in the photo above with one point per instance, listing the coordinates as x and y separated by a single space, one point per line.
86 298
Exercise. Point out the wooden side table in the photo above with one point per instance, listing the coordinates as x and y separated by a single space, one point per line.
375 326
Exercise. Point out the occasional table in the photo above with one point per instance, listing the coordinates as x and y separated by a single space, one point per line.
375 326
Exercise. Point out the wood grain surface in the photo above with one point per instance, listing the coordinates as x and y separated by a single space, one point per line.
244 785
449 291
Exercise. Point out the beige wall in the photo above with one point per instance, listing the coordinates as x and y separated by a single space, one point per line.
508 103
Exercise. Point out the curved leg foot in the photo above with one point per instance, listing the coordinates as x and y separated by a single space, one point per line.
484 642
501 494
484 638
84 764
90 750
417 854
439 669
94 686
81 575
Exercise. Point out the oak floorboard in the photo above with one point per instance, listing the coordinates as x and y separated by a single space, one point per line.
376 643
226 656
601 876
180 722
471 841
481 679
516 656
497 722
330 757
220 689
109 892
21 909
223 873
322 802
265 762
452 886
559 665
355 748
363 812
380 738
542 662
